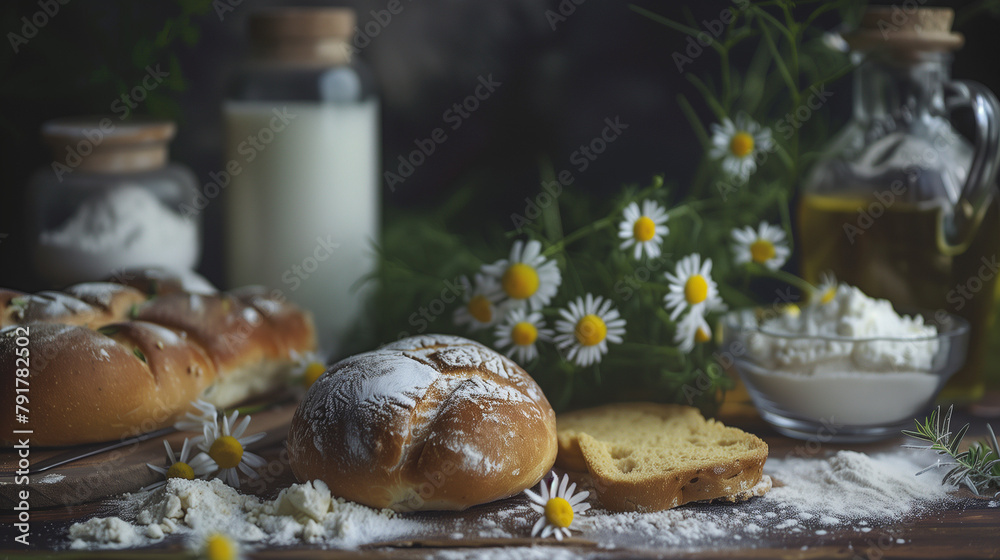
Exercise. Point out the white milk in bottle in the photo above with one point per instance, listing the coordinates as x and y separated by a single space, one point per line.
302 125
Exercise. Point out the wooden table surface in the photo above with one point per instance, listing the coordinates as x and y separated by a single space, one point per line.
968 528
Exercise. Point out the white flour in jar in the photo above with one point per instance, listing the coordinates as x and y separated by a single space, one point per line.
119 228
834 379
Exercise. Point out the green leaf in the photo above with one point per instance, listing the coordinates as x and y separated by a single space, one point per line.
138 354
163 37
190 35
109 330
958 439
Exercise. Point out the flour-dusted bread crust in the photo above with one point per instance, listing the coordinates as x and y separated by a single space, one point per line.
650 457
427 423
107 361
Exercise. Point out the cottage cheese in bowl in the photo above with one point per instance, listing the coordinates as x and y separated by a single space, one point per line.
851 364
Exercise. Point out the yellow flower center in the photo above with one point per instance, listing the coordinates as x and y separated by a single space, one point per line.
701 335
741 144
792 310
590 330
558 512
828 295
480 308
520 281
762 251
180 470
643 229
312 373
220 547
696 289
226 452
524 334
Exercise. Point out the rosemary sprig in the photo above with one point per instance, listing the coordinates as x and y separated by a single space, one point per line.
977 468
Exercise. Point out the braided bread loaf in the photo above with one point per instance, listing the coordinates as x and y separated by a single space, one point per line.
109 360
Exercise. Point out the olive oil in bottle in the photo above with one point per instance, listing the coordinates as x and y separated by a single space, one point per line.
897 251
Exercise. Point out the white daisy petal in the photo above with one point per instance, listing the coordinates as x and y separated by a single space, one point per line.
539 525
241 427
534 497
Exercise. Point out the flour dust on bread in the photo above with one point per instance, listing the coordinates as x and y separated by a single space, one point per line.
109 361
650 457
427 423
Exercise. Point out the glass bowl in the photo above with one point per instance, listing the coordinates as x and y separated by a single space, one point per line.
835 388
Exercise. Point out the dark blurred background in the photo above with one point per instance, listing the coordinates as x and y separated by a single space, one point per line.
562 76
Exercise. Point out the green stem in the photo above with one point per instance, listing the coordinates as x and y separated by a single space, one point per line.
603 223
781 275
727 94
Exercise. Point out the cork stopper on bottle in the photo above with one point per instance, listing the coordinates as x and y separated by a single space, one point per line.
905 29
303 35
106 144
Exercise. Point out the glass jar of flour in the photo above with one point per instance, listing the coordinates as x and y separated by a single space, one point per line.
302 145
110 200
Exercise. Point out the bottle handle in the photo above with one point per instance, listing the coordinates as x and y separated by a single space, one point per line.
979 190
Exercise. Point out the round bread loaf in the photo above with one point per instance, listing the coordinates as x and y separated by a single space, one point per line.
427 423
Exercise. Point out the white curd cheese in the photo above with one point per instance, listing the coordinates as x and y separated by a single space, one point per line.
850 361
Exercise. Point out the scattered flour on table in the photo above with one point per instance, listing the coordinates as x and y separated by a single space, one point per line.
302 513
845 491
854 485
505 553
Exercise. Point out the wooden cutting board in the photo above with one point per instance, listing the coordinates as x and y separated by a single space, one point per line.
117 471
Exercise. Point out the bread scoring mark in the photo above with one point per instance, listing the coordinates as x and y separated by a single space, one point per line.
473 356
425 341
363 399
45 306
96 293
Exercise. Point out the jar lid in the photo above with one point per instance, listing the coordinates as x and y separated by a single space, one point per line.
107 144
905 29
302 23
303 35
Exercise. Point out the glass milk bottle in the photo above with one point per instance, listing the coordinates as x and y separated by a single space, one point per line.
902 205
302 128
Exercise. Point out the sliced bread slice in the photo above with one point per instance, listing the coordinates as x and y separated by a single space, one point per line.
650 457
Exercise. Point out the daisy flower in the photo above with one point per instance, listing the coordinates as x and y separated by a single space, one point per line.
180 467
226 448
558 506
738 143
827 289
765 246
691 329
480 309
586 328
643 229
218 546
196 422
691 286
519 331
527 276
